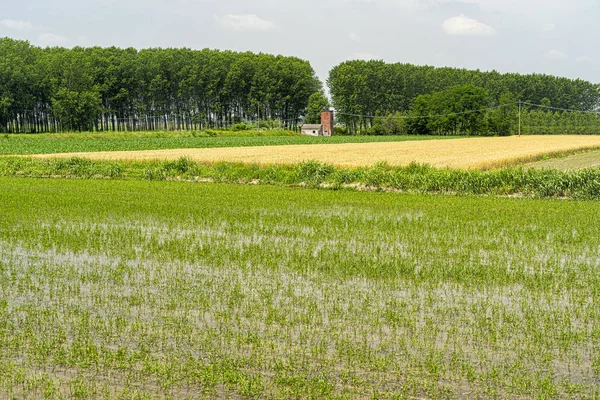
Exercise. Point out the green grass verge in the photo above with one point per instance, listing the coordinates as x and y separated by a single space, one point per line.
134 289
582 184
71 143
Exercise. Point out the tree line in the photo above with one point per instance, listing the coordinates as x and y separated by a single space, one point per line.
113 89
465 110
364 93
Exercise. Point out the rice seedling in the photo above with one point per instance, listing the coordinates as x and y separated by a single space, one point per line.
137 289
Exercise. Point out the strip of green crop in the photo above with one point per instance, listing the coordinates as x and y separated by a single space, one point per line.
49 144
137 289
582 184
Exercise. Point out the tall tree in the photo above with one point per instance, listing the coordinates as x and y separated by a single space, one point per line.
98 88
363 89
317 102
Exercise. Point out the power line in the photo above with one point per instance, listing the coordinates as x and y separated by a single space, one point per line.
427 116
192 118
467 112
194 115
560 109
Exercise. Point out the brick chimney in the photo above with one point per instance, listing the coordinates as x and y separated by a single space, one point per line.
327 121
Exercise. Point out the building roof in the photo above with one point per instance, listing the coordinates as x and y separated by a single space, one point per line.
311 126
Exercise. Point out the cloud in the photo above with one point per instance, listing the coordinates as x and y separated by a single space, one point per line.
548 27
555 55
18 25
465 26
245 23
52 39
38 34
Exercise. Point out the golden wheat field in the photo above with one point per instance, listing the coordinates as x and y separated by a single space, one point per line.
468 153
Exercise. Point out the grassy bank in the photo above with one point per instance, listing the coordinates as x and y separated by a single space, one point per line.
582 184
136 289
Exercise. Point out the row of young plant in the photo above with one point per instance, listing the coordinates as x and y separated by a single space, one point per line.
163 290
582 184
113 141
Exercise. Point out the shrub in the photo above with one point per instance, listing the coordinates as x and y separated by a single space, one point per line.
341 130
375 130
240 127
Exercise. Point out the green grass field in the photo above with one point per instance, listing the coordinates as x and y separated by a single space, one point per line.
138 289
588 159
92 142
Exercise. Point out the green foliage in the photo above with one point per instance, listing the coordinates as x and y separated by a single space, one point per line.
240 127
373 88
376 130
313 173
502 120
317 102
340 131
583 184
112 89
544 122
450 112
78 111
393 124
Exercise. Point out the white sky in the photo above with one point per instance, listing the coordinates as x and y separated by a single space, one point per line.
557 37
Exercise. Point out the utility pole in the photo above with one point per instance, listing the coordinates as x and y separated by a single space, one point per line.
519 118
258 114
